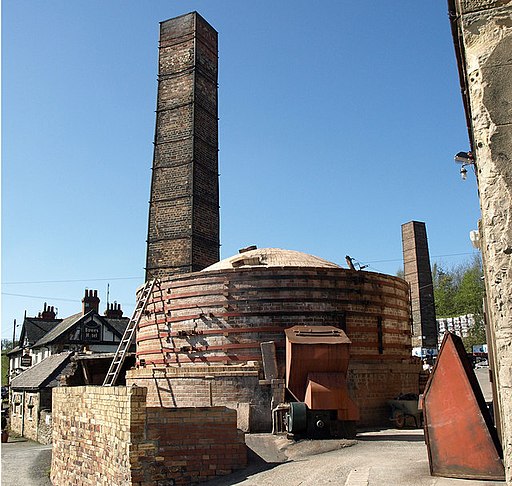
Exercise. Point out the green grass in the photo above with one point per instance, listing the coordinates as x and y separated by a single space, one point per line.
5 368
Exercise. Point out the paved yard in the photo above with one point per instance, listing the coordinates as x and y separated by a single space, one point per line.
25 463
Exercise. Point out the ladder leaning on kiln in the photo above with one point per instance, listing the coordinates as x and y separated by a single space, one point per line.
129 335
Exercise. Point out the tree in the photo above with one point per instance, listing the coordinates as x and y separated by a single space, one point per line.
459 291
444 291
6 344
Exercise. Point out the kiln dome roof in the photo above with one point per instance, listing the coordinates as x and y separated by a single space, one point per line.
271 257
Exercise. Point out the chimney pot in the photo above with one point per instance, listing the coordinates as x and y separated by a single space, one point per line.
90 302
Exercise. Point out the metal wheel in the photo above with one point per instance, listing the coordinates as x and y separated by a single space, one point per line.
399 418
297 417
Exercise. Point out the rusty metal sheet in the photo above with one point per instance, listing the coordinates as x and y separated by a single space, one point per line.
306 354
461 439
316 335
329 391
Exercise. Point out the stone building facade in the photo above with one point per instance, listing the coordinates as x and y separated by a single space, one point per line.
183 229
482 33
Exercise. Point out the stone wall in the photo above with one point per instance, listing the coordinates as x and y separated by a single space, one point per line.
16 412
483 42
26 418
44 433
107 436
31 415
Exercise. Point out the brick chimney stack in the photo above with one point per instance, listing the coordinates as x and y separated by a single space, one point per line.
114 311
418 275
183 227
90 302
48 313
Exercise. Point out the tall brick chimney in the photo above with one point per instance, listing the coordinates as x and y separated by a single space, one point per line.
183 227
418 274
90 301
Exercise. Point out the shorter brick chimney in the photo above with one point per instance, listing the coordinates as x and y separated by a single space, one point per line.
90 302
114 311
48 313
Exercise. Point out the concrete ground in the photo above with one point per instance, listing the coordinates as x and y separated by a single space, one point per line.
25 463
388 457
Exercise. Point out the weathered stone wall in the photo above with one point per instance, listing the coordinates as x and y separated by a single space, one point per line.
483 39
107 436
16 412
44 433
183 231
24 413
31 415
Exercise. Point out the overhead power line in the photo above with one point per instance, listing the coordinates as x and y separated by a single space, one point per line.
54 298
73 280
433 256
141 277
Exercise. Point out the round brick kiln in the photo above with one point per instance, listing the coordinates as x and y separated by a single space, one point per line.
199 343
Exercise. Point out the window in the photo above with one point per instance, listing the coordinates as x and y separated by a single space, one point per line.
30 406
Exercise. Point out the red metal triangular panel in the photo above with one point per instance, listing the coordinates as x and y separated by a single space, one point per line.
461 439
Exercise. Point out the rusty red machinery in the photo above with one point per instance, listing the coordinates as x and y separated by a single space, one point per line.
317 359
461 439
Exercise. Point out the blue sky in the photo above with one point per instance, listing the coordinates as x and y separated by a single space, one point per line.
338 123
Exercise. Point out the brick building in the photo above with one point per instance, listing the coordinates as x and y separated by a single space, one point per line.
200 341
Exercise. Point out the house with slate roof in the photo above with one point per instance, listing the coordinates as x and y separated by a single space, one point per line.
76 350
87 331
31 397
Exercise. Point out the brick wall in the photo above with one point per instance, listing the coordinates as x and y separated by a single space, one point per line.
371 385
107 436
237 388
366 387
